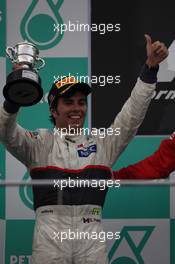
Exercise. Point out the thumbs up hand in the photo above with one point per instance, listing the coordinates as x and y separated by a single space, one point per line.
156 52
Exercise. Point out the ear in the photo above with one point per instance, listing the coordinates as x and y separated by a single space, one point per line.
53 112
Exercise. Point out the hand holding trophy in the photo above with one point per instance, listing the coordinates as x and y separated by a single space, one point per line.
23 84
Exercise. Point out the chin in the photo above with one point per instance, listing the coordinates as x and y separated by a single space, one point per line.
80 124
76 125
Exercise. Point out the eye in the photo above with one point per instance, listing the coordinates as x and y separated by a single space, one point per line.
68 102
82 102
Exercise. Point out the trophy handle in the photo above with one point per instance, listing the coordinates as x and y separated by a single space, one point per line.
10 53
42 63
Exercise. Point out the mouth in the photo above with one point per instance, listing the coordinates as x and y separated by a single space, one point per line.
75 120
75 117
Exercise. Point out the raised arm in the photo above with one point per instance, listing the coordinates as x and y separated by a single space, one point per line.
133 112
18 141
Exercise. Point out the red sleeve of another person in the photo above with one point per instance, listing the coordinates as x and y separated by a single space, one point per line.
158 165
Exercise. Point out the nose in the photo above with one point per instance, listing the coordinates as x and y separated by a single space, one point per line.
76 107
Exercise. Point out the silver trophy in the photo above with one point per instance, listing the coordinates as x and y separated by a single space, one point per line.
23 85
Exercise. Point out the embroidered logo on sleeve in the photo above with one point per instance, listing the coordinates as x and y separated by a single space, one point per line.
32 134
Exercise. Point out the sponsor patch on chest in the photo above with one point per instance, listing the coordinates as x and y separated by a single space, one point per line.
86 151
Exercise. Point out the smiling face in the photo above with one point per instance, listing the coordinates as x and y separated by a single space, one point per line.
70 111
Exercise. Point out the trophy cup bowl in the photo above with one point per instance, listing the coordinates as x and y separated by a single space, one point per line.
23 85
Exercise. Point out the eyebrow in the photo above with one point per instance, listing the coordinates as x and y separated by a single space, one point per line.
67 99
70 99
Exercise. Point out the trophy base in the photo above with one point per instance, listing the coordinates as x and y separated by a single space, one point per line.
23 88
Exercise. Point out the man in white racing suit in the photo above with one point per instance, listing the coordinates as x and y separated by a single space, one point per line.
62 216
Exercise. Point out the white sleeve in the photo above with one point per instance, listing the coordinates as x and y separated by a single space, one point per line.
128 120
16 139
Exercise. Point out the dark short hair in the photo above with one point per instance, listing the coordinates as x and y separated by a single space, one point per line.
54 106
